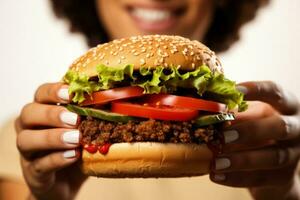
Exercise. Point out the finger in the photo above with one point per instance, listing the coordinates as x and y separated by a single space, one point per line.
268 158
18 125
35 114
53 162
272 94
29 141
254 178
275 127
52 93
256 109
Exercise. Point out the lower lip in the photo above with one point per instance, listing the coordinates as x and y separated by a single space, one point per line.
158 26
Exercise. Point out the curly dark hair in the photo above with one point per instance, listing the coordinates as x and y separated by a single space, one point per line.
230 16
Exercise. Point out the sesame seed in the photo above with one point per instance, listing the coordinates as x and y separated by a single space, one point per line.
119 61
102 56
142 61
165 55
136 54
122 57
161 60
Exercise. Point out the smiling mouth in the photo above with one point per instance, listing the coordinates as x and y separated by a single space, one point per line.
155 18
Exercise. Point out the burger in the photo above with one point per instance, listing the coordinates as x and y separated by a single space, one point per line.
150 106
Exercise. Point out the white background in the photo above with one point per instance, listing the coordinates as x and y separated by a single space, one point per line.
35 47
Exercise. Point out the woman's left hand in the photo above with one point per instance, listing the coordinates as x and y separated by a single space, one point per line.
262 146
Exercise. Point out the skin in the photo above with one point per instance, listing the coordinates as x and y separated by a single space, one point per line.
263 158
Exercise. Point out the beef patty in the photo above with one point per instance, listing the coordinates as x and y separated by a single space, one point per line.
95 131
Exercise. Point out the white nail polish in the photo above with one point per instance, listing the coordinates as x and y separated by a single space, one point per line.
291 125
219 177
63 94
222 163
69 118
71 137
242 89
230 136
69 154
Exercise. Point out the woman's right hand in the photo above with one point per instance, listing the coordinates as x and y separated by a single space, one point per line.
47 139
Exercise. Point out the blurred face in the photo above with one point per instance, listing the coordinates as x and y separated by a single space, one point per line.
123 18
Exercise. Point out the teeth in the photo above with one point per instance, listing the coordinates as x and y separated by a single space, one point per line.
151 15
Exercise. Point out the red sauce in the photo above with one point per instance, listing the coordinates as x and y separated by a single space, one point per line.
104 148
91 148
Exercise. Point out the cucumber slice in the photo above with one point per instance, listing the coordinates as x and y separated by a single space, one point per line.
100 114
213 119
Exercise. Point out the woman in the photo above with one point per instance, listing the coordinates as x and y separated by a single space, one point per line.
268 170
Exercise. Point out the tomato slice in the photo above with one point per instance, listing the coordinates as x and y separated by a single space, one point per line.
185 102
154 112
107 96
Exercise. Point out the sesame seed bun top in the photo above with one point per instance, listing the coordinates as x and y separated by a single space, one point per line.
148 51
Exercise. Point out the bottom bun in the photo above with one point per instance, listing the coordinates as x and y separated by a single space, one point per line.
148 159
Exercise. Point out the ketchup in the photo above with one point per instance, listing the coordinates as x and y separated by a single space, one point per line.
104 148
91 148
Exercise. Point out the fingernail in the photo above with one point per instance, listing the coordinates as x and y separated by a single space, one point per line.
71 137
69 118
230 136
242 89
222 163
69 154
63 94
219 177
290 125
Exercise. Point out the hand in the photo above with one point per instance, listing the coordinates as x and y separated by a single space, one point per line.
262 147
47 139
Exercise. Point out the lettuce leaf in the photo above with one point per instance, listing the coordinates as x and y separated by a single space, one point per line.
79 85
159 80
